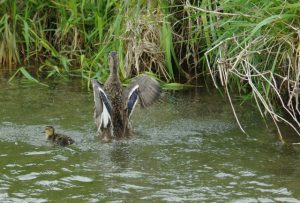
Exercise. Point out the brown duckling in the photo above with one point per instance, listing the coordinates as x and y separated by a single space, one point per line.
56 138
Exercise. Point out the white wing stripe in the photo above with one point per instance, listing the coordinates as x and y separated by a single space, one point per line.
105 116
135 99
132 90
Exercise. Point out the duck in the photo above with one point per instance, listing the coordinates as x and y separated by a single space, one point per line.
59 139
114 105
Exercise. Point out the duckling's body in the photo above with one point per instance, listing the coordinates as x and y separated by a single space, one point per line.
59 139
113 106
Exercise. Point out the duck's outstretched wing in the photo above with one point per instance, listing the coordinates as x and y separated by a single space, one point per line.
102 114
145 89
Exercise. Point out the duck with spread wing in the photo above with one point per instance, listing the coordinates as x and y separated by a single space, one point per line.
114 106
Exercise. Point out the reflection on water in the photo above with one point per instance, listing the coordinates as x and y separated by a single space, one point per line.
186 148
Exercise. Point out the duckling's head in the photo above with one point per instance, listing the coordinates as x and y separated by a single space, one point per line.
113 61
49 131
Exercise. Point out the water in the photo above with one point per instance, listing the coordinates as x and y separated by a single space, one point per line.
187 148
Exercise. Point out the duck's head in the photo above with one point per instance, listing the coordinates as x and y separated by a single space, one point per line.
113 61
49 132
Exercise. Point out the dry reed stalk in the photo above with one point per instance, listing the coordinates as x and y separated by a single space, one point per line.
142 45
240 66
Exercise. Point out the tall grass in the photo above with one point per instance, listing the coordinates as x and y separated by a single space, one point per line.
59 38
62 38
255 50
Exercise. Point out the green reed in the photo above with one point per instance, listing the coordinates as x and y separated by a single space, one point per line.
59 38
253 48
73 38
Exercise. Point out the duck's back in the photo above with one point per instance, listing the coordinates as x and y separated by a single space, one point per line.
114 90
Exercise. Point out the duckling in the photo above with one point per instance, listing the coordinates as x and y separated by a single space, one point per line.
59 139
114 106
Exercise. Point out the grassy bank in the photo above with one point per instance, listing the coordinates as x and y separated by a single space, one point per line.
255 51
249 47
73 38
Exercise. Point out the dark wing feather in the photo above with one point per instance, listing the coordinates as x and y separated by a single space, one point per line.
102 113
147 89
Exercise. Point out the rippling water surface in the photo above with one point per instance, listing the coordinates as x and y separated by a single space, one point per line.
186 148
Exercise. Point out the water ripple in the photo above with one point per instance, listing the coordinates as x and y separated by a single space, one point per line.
36 153
34 175
29 176
287 199
78 178
127 174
